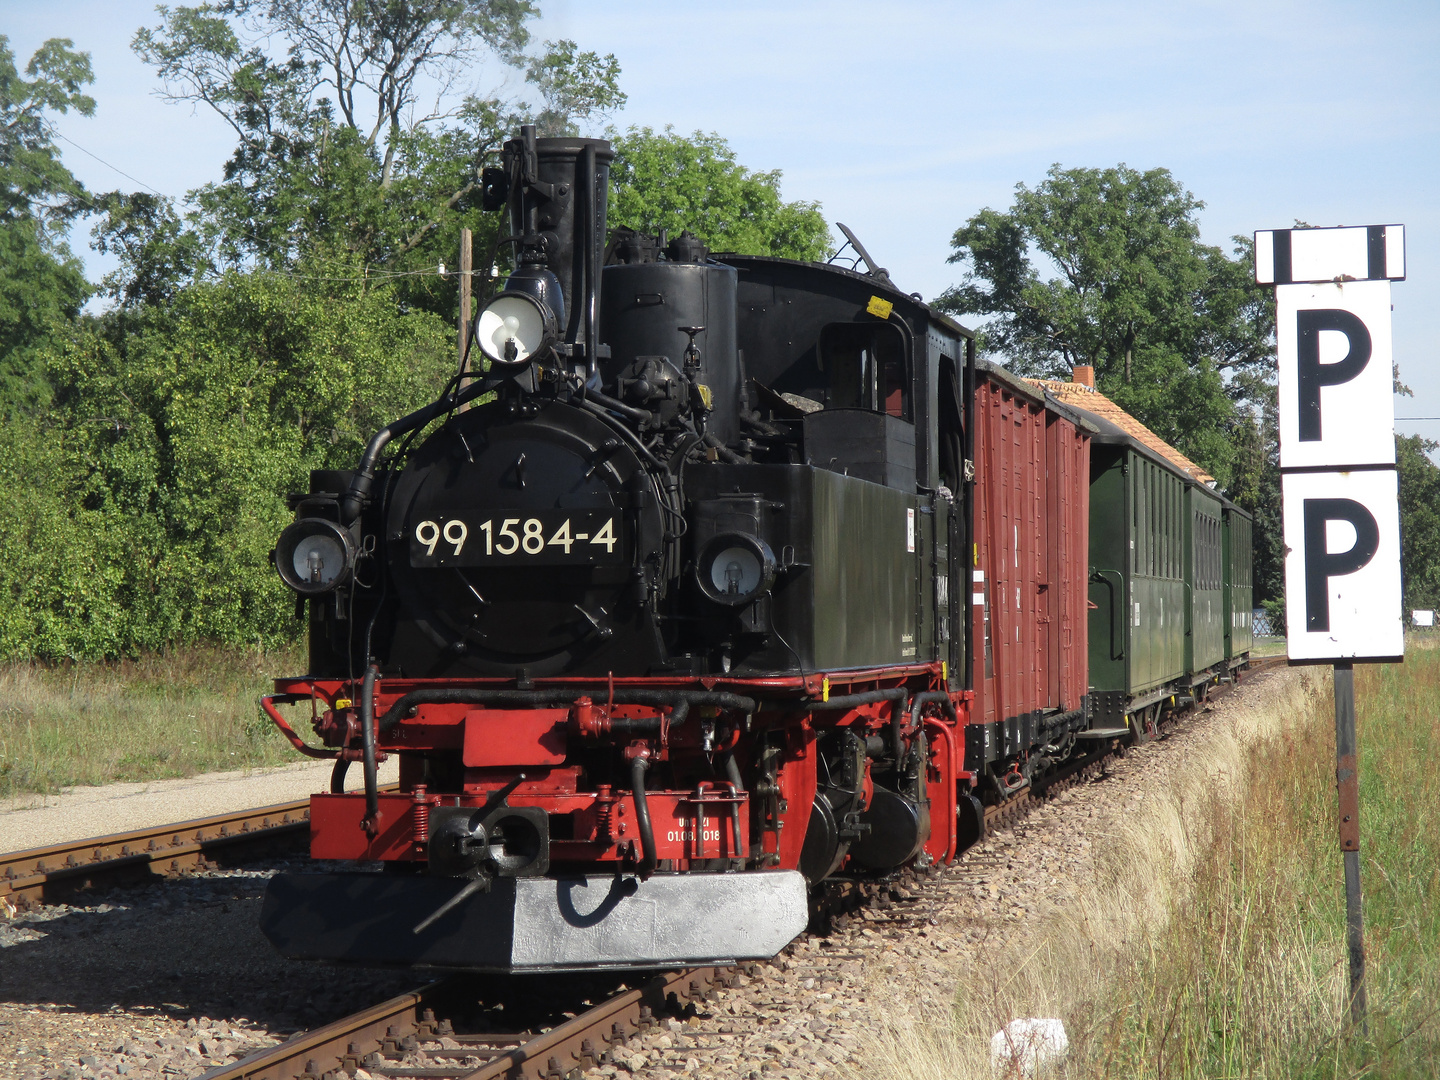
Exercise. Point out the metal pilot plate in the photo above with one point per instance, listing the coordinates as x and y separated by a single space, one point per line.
536 924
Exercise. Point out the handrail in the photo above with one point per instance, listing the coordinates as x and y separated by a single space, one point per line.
267 704
1116 590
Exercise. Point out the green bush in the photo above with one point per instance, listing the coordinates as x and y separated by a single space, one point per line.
148 499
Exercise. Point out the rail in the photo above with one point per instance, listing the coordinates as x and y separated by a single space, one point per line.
380 1039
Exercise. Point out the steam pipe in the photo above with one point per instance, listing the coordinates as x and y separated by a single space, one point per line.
367 734
640 416
726 454
592 273
642 816
365 475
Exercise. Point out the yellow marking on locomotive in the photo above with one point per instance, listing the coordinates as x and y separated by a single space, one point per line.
825 688
879 308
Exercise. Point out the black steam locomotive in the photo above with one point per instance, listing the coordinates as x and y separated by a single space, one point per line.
711 578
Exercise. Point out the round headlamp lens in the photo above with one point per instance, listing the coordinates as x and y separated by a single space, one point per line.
735 568
314 555
735 572
318 560
513 328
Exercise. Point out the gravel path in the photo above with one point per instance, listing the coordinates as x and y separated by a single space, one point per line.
30 821
170 980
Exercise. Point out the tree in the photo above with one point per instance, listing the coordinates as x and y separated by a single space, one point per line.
1175 329
667 181
42 285
340 159
1419 521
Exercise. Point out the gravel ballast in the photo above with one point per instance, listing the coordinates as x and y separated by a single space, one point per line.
170 980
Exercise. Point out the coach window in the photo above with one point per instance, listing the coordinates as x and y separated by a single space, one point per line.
865 367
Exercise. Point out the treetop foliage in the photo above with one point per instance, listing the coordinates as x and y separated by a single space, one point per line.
662 180
42 285
1105 267
360 134
153 488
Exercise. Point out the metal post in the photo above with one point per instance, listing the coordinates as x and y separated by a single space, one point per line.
463 335
1347 782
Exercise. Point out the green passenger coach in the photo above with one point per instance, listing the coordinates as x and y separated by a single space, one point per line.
1204 583
1138 559
1239 584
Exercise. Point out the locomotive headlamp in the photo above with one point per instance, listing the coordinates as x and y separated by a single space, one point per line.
314 556
514 327
735 568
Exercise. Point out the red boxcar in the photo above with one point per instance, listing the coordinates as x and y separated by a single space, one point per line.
1031 523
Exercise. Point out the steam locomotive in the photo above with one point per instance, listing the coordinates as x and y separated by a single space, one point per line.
715 578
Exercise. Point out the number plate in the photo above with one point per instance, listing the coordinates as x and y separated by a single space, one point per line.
520 538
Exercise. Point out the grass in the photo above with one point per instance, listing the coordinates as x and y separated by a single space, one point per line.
1211 943
177 714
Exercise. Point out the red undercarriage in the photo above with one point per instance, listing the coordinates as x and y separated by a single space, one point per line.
592 823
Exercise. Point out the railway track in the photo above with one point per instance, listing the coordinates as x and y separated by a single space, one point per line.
49 874
438 1033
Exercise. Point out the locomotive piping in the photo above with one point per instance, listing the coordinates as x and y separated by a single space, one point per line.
365 474
680 701
640 416
899 695
919 701
726 454
592 281
367 733
642 816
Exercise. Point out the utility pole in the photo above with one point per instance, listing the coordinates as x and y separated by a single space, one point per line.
463 336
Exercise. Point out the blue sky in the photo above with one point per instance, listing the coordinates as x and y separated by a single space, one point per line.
904 119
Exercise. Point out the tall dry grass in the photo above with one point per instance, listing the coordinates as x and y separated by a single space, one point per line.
1211 940
176 714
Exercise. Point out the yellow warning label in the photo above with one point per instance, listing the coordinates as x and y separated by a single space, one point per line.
825 688
343 703
705 395
879 308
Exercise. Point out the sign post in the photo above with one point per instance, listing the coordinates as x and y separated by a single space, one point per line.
1339 492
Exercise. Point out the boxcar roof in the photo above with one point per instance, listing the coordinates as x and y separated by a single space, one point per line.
1028 388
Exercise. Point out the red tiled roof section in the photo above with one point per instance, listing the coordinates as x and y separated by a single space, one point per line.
1083 397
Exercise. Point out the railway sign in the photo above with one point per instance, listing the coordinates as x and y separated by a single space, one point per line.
1339 484
1337 437
1342 566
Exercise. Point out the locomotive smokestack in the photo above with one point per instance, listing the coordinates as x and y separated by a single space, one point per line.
558 199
